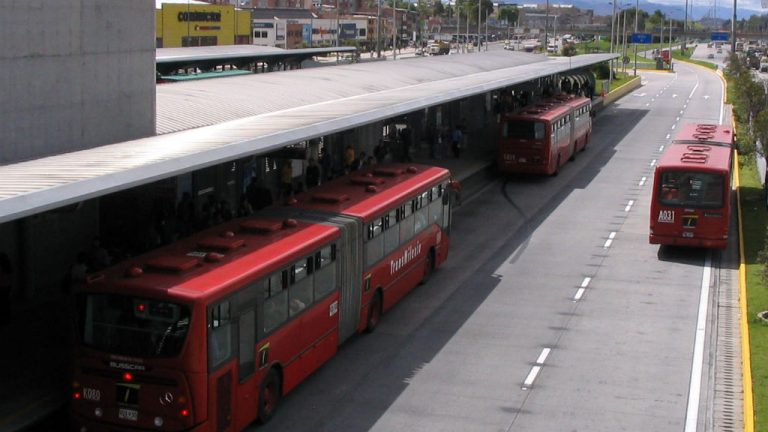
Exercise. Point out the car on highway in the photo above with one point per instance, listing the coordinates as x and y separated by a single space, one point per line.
719 50
710 56
763 67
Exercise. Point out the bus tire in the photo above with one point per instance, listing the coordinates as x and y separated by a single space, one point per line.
374 313
269 396
429 266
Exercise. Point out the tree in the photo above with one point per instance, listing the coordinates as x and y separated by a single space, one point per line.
438 9
469 8
760 130
568 50
655 20
510 14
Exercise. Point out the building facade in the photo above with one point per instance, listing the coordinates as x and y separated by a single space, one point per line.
196 24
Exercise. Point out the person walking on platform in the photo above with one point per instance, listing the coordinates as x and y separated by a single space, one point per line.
405 142
312 174
456 137
286 180
349 158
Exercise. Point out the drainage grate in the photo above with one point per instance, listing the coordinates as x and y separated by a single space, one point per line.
727 399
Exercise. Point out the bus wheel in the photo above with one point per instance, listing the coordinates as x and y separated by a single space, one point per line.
269 396
429 266
374 313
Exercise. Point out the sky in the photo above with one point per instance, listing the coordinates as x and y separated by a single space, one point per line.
746 4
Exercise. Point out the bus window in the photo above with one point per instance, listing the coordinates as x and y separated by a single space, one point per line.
524 129
325 271
436 205
406 222
275 301
392 233
679 188
131 326
219 334
421 207
300 295
374 247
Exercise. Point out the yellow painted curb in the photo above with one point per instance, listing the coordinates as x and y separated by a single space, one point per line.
746 354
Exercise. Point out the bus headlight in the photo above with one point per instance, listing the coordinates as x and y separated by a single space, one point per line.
158 421
98 412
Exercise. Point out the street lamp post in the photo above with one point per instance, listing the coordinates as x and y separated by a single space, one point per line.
378 28
479 17
637 12
394 29
546 28
624 42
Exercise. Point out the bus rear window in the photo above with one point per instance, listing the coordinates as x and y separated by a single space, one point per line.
132 326
523 129
691 189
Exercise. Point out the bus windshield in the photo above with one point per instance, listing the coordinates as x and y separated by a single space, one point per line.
132 326
691 189
524 129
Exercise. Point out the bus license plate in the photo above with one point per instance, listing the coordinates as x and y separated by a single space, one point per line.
687 234
128 414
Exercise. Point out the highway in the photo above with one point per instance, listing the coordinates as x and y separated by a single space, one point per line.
553 313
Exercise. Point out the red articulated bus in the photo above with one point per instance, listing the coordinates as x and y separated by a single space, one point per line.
543 137
207 334
691 200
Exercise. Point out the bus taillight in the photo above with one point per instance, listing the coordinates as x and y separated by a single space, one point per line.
184 412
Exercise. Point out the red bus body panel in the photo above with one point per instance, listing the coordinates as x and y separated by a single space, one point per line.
693 155
368 194
301 347
541 156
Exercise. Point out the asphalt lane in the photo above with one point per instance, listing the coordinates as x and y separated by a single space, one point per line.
501 339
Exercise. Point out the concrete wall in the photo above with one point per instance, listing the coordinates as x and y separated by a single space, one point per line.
76 74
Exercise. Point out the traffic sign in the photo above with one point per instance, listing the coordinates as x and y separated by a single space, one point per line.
642 38
720 36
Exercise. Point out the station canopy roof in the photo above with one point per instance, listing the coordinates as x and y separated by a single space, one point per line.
208 57
205 123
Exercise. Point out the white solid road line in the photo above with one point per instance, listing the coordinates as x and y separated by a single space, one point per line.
697 365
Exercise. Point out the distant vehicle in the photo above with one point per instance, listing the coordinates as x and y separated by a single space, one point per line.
439 48
691 202
526 144
719 50
710 56
665 55
763 67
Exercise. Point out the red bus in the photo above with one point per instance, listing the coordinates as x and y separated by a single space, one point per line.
543 137
208 333
691 200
